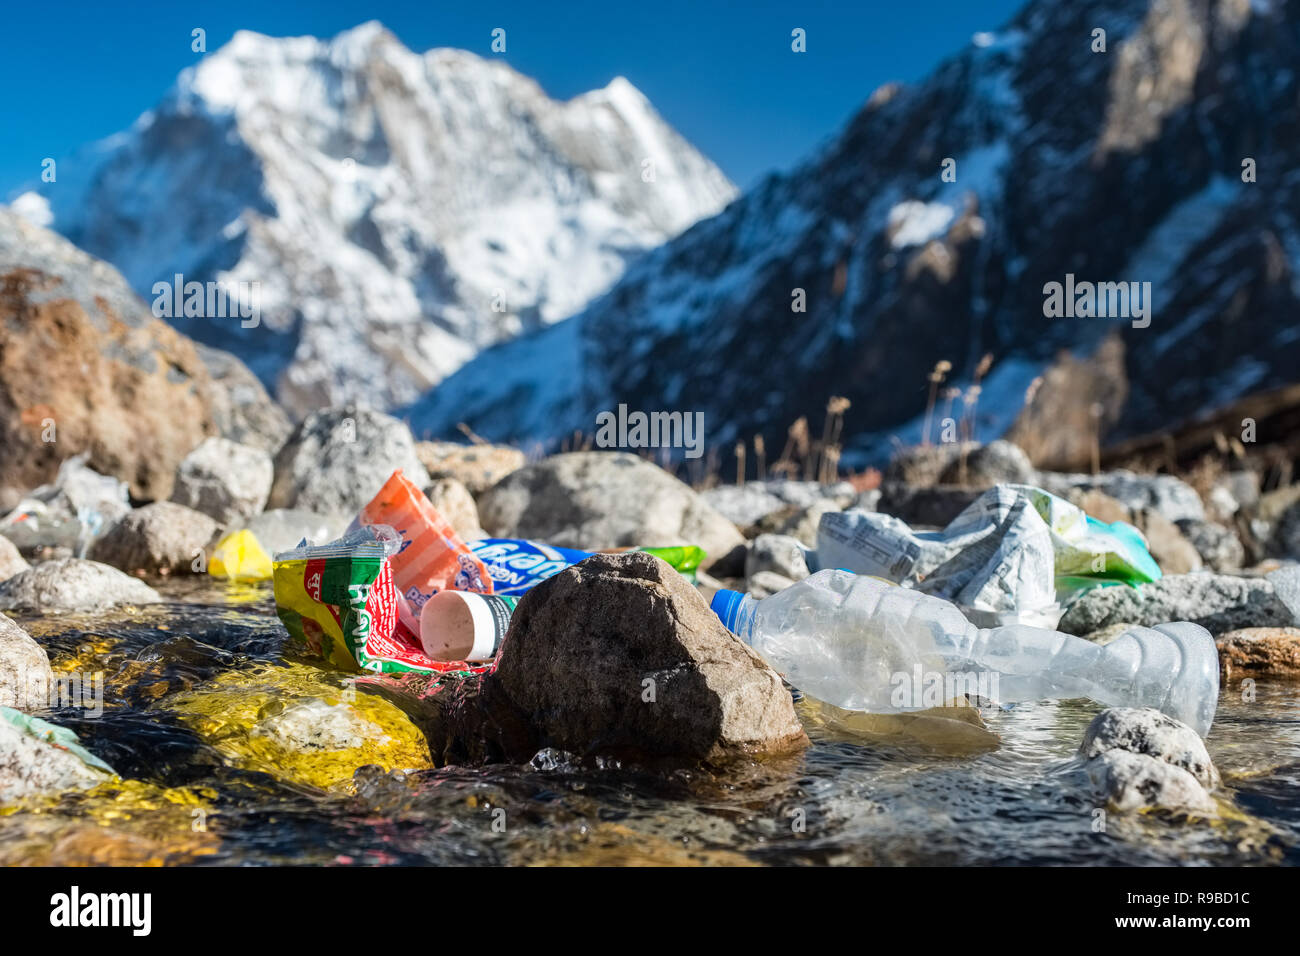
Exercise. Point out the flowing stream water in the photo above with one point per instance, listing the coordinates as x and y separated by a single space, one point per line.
999 788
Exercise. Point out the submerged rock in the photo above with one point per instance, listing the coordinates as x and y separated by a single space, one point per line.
161 538
73 584
594 500
225 480
38 758
1140 758
1260 652
1131 781
302 724
1217 602
1146 730
339 458
25 673
617 657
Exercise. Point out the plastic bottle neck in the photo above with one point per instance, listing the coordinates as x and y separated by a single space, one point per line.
736 611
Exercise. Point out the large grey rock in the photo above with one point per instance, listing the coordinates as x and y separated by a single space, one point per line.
617 657
242 410
11 561
998 462
161 538
1146 730
225 480
596 500
778 553
120 385
25 673
35 761
1219 547
1170 496
73 584
1217 602
1140 758
477 467
339 458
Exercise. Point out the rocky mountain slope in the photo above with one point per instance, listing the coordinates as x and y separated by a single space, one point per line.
1116 166
398 211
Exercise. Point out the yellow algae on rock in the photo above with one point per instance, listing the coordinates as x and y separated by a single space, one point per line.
120 823
301 724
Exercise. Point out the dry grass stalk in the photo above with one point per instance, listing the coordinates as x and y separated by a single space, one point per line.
941 369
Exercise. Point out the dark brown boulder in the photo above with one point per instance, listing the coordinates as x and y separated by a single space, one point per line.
617 657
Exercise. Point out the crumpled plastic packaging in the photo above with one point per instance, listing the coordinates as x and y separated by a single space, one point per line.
71 512
431 556
341 601
239 556
1016 554
55 736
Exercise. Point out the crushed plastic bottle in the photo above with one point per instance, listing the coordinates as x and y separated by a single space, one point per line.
861 643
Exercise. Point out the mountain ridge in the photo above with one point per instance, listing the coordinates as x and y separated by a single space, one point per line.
1115 166
399 210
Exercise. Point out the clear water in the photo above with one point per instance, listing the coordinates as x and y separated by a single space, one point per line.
875 793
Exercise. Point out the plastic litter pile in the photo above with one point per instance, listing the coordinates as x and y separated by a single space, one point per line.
401 591
78 506
893 620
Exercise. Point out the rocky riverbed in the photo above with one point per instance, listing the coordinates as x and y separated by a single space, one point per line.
622 723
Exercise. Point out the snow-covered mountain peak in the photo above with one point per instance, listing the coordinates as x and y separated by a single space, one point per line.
396 210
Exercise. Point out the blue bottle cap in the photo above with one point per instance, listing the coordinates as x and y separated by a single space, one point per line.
726 604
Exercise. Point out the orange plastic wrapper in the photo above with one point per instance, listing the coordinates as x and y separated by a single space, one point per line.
432 558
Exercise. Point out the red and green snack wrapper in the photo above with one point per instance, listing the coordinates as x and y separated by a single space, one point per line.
339 599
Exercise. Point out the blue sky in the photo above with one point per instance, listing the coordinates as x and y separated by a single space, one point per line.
722 73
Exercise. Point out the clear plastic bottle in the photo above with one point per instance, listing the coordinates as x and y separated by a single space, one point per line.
864 644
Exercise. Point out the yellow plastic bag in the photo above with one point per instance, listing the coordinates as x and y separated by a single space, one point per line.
240 557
